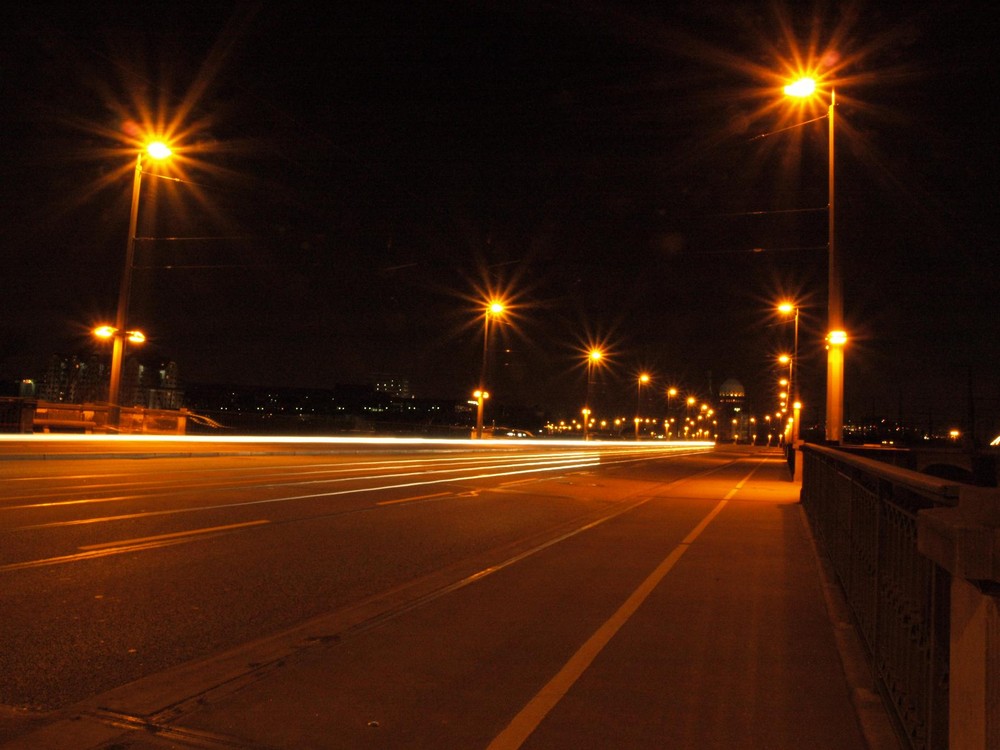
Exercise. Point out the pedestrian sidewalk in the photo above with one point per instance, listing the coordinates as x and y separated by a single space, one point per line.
743 642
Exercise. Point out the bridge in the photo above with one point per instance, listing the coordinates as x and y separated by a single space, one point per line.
918 559
911 564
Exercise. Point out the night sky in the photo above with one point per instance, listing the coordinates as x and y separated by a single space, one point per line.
355 180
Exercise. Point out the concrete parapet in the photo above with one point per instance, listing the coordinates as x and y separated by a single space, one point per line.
965 541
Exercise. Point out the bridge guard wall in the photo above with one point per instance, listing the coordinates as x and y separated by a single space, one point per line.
965 541
919 561
865 514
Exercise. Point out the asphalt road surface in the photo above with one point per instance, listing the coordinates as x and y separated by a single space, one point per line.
333 594
115 568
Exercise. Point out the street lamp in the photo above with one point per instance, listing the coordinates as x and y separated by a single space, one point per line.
643 379
480 397
155 150
836 337
593 357
671 392
119 338
494 309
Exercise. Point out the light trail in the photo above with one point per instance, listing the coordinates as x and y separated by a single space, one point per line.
464 443
278 472
291 498
556 463
477 463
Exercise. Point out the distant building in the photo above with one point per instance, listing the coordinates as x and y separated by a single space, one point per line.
77 380
391 384
733 419
74 379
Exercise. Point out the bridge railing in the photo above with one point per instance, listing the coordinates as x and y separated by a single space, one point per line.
918 559
866 515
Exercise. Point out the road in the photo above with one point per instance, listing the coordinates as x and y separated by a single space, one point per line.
114 568
150 573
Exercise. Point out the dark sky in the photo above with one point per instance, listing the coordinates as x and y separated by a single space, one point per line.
355 177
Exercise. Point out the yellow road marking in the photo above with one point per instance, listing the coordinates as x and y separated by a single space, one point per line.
522 725
528 719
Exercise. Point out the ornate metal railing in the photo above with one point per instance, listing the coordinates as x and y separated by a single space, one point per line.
864 514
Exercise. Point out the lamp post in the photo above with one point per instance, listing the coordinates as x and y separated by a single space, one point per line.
118 337
671 392
642 380
156 150
480 397
494 309
593 357
836 336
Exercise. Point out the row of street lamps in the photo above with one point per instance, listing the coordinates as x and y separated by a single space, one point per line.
495 309
836 337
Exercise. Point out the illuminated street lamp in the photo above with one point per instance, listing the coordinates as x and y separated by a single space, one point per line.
671 392
156 150
106 332
642 380
593 358
836 337
119 338
494 309
480 397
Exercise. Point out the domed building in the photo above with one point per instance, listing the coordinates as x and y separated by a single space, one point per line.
734 421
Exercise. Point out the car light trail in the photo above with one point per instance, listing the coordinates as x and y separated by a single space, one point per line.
291 498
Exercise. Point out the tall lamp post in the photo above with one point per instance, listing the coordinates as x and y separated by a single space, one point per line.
593 357
156 150
494 309
480 397
836 336
642 380
671 392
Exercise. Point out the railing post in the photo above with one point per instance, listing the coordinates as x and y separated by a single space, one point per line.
965 541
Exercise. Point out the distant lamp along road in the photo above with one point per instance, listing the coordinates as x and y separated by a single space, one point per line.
155 150
594 357
494 311
642 380
790 308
